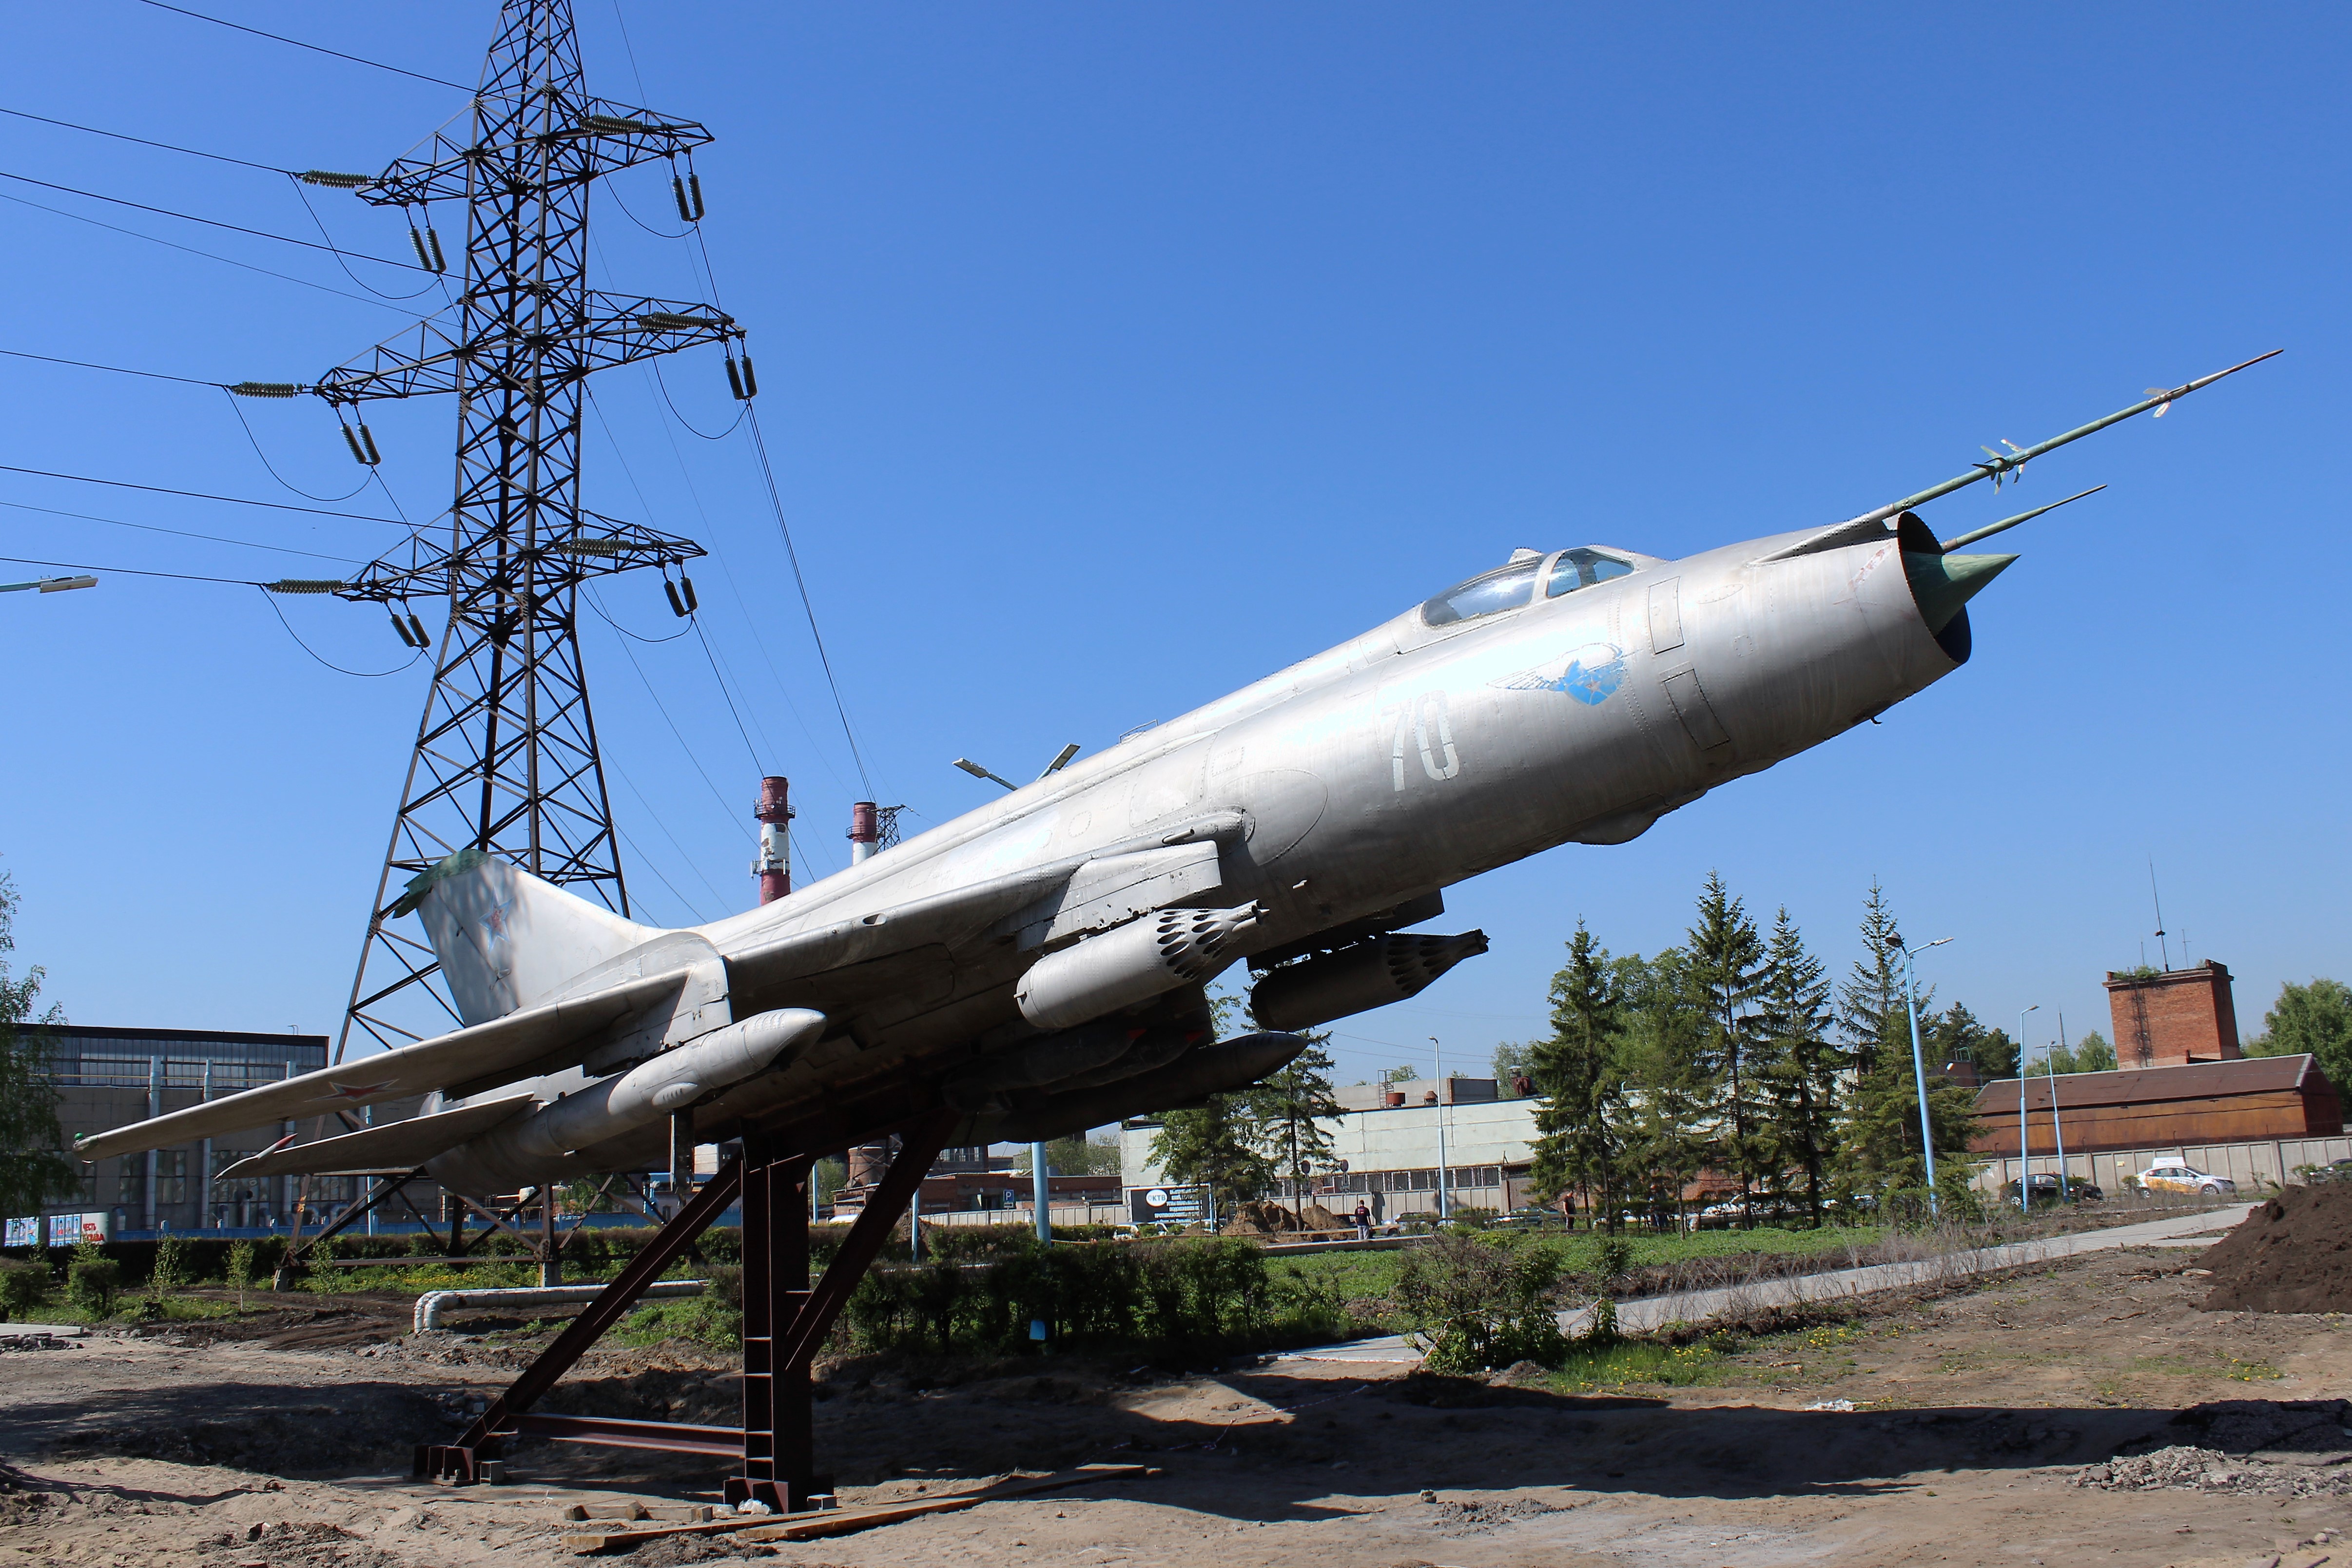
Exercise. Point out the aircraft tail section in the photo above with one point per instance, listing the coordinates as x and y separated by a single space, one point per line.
505 938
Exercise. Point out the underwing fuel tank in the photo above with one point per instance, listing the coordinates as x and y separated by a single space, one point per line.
1087 1057
1131 963
1356 979
610 1107
1215 1068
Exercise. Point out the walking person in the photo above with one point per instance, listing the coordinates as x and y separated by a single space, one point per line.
1363 1220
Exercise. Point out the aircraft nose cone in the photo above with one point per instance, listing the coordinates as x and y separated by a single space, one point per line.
1940 584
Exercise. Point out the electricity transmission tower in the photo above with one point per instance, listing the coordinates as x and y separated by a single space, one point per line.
506 761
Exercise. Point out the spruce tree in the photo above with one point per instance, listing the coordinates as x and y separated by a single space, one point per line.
1725 970
1213 1145
1804 1068
1575 1071
1870 1003
1665 1114
1287 1109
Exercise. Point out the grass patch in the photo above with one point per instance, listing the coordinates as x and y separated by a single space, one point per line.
702 1318
1640 1363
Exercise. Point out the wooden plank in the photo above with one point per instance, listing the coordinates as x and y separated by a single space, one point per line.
843 1521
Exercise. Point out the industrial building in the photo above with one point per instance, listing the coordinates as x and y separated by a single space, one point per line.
110 1077
1388 1149
971 1182
2172 1016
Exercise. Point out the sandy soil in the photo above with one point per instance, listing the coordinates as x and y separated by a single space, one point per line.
1976 1413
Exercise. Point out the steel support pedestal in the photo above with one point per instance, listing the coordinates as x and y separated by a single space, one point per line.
786 1321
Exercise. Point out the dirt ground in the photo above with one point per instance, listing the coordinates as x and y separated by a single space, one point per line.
1979 1417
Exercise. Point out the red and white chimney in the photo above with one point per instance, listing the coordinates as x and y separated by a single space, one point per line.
774 866
865 831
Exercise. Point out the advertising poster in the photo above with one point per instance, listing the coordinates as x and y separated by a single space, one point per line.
22 1233
1167 1205
66 1229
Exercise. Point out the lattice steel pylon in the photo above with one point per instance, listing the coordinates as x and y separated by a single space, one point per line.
505 759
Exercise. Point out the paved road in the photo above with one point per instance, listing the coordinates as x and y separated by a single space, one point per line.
2195 1230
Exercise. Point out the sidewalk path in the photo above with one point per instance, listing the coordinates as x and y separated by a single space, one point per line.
2194 1230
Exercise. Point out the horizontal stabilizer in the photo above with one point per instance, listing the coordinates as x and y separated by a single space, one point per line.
517 1042
395 1146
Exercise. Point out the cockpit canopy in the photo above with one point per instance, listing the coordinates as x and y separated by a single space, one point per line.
1509 587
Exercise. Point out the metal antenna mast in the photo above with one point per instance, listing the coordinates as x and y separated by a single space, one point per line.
506 760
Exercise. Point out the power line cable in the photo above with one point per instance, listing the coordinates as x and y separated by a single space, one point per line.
776 501
314 49
212 223
740 410
192 250
726 696
143 142
661 709
130 571
611 439
245 425
658 820
180 533
636 636
118 369
654 866
701 246
199 494
759 639
363 674
431 280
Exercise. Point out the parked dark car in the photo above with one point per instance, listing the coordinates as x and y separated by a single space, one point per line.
2045 1189
2334 1170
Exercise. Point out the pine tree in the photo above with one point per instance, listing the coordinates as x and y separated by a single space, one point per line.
1805 1068
1287 1109
1725 969
32 1170
1576 1073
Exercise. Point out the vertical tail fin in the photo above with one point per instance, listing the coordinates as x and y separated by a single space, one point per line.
505 937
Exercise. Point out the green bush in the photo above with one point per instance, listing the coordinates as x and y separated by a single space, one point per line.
23 1286
1188 1297
93 1283
1478 1305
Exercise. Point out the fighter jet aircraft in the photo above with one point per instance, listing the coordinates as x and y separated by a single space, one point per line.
1040 965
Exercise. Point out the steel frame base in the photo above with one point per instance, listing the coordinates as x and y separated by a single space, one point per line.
785 1322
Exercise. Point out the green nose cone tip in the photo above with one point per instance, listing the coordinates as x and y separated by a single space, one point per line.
1940 584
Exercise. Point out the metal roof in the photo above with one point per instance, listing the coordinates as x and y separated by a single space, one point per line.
2151 1085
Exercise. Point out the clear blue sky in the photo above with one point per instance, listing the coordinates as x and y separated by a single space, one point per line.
1114 356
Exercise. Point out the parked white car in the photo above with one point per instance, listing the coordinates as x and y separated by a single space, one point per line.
2177 1175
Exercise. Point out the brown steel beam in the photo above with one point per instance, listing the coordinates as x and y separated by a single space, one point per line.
612 1432
778 1458
920 1144
461 1460
785 1322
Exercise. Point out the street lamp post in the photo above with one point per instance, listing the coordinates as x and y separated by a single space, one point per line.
2057 1125
2024 1170
1920 1067
1437 1067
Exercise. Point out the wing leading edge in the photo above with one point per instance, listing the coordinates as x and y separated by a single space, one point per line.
519 1040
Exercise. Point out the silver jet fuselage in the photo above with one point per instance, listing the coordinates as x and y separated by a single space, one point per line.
1407 759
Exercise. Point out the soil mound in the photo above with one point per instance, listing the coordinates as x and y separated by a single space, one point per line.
1272 1220
2293 1254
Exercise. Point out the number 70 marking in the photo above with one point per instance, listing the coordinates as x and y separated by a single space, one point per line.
1415 717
